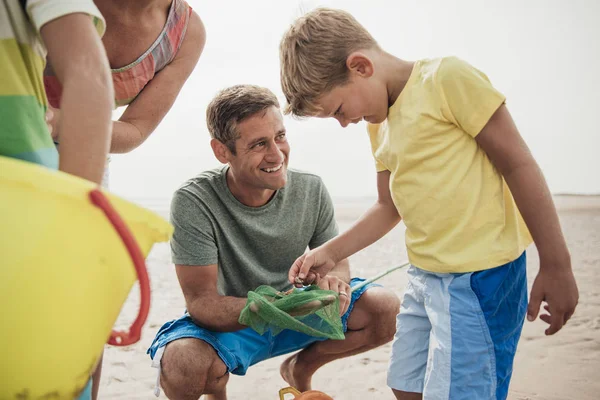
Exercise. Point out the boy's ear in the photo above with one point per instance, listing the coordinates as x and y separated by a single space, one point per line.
358 63
221 151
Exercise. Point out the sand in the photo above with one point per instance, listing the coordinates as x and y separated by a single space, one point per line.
564 366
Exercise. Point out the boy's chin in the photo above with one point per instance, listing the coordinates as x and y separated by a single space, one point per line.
375 119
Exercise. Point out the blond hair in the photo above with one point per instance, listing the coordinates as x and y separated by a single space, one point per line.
233 105
313 54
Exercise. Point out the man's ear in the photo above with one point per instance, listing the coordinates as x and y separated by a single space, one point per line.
221 151
359 64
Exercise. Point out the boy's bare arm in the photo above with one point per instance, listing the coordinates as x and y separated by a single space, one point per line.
79 61
555 282
342 270
372 226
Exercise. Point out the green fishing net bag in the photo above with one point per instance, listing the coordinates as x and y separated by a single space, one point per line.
310 310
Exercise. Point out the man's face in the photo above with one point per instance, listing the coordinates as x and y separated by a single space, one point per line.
262 152
359 99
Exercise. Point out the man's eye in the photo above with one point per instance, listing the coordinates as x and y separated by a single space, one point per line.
281 136
259 144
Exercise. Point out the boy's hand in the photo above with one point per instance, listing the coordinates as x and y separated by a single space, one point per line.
310 267
556 286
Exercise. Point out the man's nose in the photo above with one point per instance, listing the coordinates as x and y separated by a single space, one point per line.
275 154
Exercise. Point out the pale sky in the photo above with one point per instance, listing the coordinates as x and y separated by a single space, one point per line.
543 55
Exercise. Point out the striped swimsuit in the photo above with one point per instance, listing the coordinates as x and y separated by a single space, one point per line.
130 80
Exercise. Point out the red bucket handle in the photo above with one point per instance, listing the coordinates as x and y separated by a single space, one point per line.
122 338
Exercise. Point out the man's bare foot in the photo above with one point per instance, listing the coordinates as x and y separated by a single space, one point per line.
215 397
222 395
294 375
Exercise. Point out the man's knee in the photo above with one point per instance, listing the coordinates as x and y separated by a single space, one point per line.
379 307
190 368
385 315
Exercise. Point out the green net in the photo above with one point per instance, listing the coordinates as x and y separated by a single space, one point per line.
309 310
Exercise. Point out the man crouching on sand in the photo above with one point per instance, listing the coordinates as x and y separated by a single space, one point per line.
239 227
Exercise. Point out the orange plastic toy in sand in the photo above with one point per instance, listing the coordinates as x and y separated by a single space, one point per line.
309 395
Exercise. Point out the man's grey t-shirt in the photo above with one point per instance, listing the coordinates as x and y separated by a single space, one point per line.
252 246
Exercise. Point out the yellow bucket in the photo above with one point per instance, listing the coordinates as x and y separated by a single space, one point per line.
67 266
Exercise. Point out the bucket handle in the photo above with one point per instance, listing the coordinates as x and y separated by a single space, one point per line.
123 338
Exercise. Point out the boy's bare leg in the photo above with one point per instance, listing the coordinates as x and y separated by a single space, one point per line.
407 395
371 324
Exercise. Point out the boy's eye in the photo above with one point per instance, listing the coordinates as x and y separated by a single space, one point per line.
338 112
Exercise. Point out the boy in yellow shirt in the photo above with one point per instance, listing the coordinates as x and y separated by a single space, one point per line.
452 164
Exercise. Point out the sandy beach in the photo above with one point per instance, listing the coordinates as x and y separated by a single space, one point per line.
565 366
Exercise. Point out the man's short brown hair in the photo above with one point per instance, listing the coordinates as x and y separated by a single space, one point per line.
313 54
233 105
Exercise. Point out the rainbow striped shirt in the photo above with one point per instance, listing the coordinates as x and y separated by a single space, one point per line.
23 131
131 79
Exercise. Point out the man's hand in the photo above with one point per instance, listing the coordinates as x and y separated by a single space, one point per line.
340 287
556 286
52 117
311 267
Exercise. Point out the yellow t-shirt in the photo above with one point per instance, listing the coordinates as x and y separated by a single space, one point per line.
459 213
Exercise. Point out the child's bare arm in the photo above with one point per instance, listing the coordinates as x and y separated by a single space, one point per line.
373 225
80 63
555 283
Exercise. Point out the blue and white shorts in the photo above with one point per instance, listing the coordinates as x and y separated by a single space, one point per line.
457 334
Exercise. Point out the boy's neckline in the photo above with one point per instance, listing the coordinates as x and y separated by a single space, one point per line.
413 70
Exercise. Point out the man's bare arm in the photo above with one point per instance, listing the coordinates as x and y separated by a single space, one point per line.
204 304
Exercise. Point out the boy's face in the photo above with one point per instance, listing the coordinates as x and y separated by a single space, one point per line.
362 98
